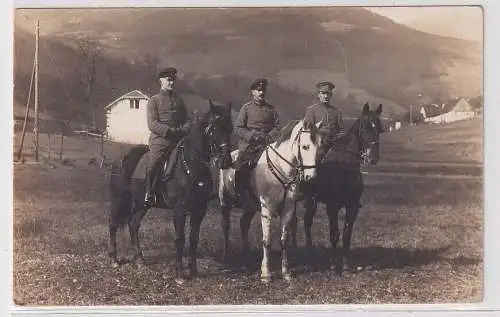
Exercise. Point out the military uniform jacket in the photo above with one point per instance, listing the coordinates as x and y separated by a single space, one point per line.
164 113
253 119
332 123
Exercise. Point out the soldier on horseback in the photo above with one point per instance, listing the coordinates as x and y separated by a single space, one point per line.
257 126
332 126
168 123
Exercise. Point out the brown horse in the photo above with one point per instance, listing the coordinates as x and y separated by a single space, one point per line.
339 183
190 179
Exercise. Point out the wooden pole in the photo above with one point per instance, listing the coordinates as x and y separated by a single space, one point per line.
102 145
61 150
25 124
50 141
411 115
36 89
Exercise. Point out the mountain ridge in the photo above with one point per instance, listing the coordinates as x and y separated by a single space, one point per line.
218 52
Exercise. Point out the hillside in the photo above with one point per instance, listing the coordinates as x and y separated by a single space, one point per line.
220 51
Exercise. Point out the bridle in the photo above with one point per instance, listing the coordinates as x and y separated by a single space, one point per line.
299 168
367 146
214 148
363 154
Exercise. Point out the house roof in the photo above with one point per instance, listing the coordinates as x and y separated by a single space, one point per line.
432 110
450 105
134 94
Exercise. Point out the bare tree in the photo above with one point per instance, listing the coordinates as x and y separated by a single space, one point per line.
150 63
90 53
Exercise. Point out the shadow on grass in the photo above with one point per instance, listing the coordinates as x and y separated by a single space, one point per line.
302 260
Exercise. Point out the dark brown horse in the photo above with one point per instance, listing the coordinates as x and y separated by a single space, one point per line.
191 180
339 183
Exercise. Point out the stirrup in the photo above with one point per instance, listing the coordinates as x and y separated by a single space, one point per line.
151 202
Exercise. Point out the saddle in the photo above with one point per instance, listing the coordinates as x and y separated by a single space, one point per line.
250 157
170 163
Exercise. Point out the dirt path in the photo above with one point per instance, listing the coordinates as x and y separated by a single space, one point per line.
415 175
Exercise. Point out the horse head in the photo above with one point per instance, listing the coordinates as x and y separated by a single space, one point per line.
370 127
306 141
217 128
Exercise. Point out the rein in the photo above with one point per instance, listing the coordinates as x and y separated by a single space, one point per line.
279 175
214 148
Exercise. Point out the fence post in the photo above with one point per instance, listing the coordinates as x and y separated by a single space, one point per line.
101 158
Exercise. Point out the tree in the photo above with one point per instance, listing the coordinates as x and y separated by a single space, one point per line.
90 52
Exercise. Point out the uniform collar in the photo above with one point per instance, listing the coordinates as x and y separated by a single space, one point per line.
261 103
327 105
170 93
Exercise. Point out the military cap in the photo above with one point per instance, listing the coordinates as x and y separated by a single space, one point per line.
167 72
325 86
260 83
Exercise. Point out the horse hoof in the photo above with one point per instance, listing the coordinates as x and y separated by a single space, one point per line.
265 279
193 274
139 264
179 280
287 277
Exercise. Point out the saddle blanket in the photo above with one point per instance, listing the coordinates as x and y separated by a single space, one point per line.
141 168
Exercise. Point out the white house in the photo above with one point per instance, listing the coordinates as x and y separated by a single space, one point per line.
127 119
457 109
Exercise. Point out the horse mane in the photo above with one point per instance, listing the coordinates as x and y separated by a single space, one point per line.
286 132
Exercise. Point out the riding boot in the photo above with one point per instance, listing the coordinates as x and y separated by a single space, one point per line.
170 199
240 181
150 198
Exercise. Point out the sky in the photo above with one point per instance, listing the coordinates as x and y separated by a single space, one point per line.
460 22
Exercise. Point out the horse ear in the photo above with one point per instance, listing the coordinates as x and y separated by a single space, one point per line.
210 102
379 109
366 108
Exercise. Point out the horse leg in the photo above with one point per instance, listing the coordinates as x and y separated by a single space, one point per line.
351 214
285 223
333 212
120 210
180 240
311 206
113 228
134 224
196 218
245 222
293 227
266 221
226 226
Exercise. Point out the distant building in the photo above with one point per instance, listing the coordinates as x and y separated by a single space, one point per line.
126 118
454 110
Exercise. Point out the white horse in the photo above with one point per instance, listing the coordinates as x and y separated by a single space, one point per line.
284 165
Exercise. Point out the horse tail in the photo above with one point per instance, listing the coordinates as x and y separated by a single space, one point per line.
131 158
121 173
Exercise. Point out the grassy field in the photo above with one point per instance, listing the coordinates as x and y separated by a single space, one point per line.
417 240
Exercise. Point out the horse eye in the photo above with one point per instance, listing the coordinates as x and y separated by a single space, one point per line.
305 147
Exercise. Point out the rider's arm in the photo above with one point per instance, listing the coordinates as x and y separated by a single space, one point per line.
274 133
184 119
241 128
